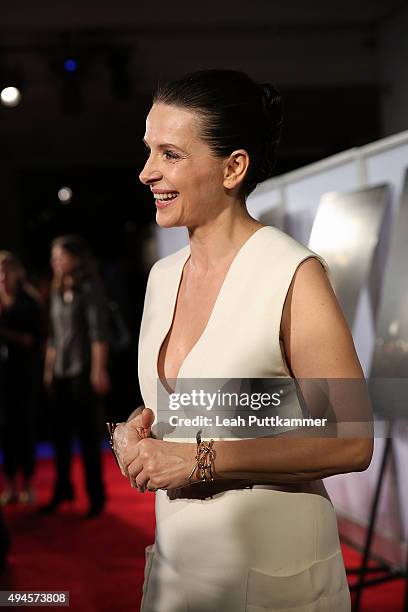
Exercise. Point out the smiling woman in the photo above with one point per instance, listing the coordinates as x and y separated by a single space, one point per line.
241 525
183 178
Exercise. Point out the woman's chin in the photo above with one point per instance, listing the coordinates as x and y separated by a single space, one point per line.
166 220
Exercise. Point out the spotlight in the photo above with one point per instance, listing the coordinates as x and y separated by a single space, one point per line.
10 96
65 195
70 65
11 83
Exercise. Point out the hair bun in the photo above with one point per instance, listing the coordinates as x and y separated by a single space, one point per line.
272 108
235 112
270 95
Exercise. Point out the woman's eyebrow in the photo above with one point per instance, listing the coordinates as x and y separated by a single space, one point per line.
165 145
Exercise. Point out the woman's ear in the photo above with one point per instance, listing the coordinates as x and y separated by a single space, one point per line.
236 168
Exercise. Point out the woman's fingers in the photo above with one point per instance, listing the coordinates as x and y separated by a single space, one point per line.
147 421
140 470
140 480
150 487
143 483
134 469
135 427
134 454
120 440
125 444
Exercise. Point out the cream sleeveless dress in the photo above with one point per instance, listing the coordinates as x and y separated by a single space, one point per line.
236 548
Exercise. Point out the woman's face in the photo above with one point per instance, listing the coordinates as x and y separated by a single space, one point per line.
62 262
9 278
185 177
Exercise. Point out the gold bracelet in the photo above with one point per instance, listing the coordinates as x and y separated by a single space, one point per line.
111 430
204 460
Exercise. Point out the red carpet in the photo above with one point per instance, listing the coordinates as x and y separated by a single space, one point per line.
100 561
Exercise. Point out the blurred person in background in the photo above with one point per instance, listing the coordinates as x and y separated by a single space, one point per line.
76 366
22 336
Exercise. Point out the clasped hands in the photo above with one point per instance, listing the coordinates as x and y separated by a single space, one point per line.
148 463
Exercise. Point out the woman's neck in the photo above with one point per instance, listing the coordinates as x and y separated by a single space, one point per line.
7 298
216 243
64 283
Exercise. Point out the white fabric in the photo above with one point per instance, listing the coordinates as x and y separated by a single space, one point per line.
241 550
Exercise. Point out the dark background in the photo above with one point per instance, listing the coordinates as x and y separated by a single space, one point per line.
340 66
334 62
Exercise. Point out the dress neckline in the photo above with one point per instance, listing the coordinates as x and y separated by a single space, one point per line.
173 302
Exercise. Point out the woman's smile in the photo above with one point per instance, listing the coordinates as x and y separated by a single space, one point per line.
163 198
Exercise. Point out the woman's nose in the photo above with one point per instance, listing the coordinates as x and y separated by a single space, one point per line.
149 174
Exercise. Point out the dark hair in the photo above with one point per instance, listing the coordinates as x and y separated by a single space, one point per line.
77 247
237 113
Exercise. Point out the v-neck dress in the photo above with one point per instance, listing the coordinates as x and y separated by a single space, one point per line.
233 546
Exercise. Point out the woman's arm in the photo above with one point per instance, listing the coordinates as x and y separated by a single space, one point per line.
318 345
99 367
49 363
96 316
28 331
22 339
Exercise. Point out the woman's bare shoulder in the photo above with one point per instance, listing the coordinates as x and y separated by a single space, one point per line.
317 338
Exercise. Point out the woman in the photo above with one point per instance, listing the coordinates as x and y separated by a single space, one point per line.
76 366
22 335
242 300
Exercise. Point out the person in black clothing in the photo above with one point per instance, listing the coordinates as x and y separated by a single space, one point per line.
76 366
22 336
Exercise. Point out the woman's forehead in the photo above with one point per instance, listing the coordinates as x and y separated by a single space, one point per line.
59 250
166 123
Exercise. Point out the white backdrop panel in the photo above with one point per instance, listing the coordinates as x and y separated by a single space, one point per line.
264 198
302 197
170 239
388 167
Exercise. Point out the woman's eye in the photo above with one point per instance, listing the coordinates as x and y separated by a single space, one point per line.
171 155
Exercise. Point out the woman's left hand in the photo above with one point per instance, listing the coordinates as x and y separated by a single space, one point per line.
152 464
100 381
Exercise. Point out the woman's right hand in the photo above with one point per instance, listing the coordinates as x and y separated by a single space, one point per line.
50 355
143 419
48 377
137 427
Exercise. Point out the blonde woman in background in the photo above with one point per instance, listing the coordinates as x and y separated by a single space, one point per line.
22 335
